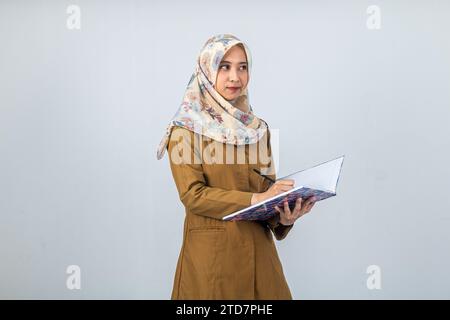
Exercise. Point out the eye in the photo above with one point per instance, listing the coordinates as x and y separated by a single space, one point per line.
227 67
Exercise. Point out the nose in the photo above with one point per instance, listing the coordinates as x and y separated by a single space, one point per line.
233 75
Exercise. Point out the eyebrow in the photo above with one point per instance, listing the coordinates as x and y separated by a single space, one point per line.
224 61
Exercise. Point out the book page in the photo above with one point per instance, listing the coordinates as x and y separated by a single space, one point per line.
323 176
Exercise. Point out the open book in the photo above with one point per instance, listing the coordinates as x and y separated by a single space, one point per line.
319 181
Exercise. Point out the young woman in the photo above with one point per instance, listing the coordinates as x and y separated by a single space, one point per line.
215 142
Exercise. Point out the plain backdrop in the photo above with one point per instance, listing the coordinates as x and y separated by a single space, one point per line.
82 112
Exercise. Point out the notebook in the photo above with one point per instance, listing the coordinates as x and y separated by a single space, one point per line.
319 181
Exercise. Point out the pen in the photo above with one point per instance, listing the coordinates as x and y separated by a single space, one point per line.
264 176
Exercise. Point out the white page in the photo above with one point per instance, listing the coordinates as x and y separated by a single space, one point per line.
323 176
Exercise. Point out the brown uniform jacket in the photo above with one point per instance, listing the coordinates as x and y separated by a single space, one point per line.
223 259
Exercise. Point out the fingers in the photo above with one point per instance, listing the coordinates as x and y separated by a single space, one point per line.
277 189
308 205
287 210
286 182
281 186
302 207
298 208
284 188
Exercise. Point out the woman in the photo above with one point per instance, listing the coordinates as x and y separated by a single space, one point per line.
211 143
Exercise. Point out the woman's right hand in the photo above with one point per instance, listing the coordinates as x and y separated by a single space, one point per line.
278 187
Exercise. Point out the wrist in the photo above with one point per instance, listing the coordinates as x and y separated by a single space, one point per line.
255 198
282 224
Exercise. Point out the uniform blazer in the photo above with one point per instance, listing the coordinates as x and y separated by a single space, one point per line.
224 259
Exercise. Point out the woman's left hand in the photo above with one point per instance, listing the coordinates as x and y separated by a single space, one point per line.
302 207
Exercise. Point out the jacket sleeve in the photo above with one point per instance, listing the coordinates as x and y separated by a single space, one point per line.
193 191
280 231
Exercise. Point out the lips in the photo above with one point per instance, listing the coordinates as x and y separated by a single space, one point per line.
233 88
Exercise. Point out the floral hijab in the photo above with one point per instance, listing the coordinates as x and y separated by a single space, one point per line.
205 111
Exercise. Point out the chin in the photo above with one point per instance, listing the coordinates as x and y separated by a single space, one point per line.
232 97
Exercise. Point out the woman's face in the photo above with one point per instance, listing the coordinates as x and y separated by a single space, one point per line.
232 76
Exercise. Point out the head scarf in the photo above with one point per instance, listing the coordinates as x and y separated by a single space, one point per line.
205 111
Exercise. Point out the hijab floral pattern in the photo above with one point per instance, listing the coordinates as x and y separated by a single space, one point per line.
205 111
